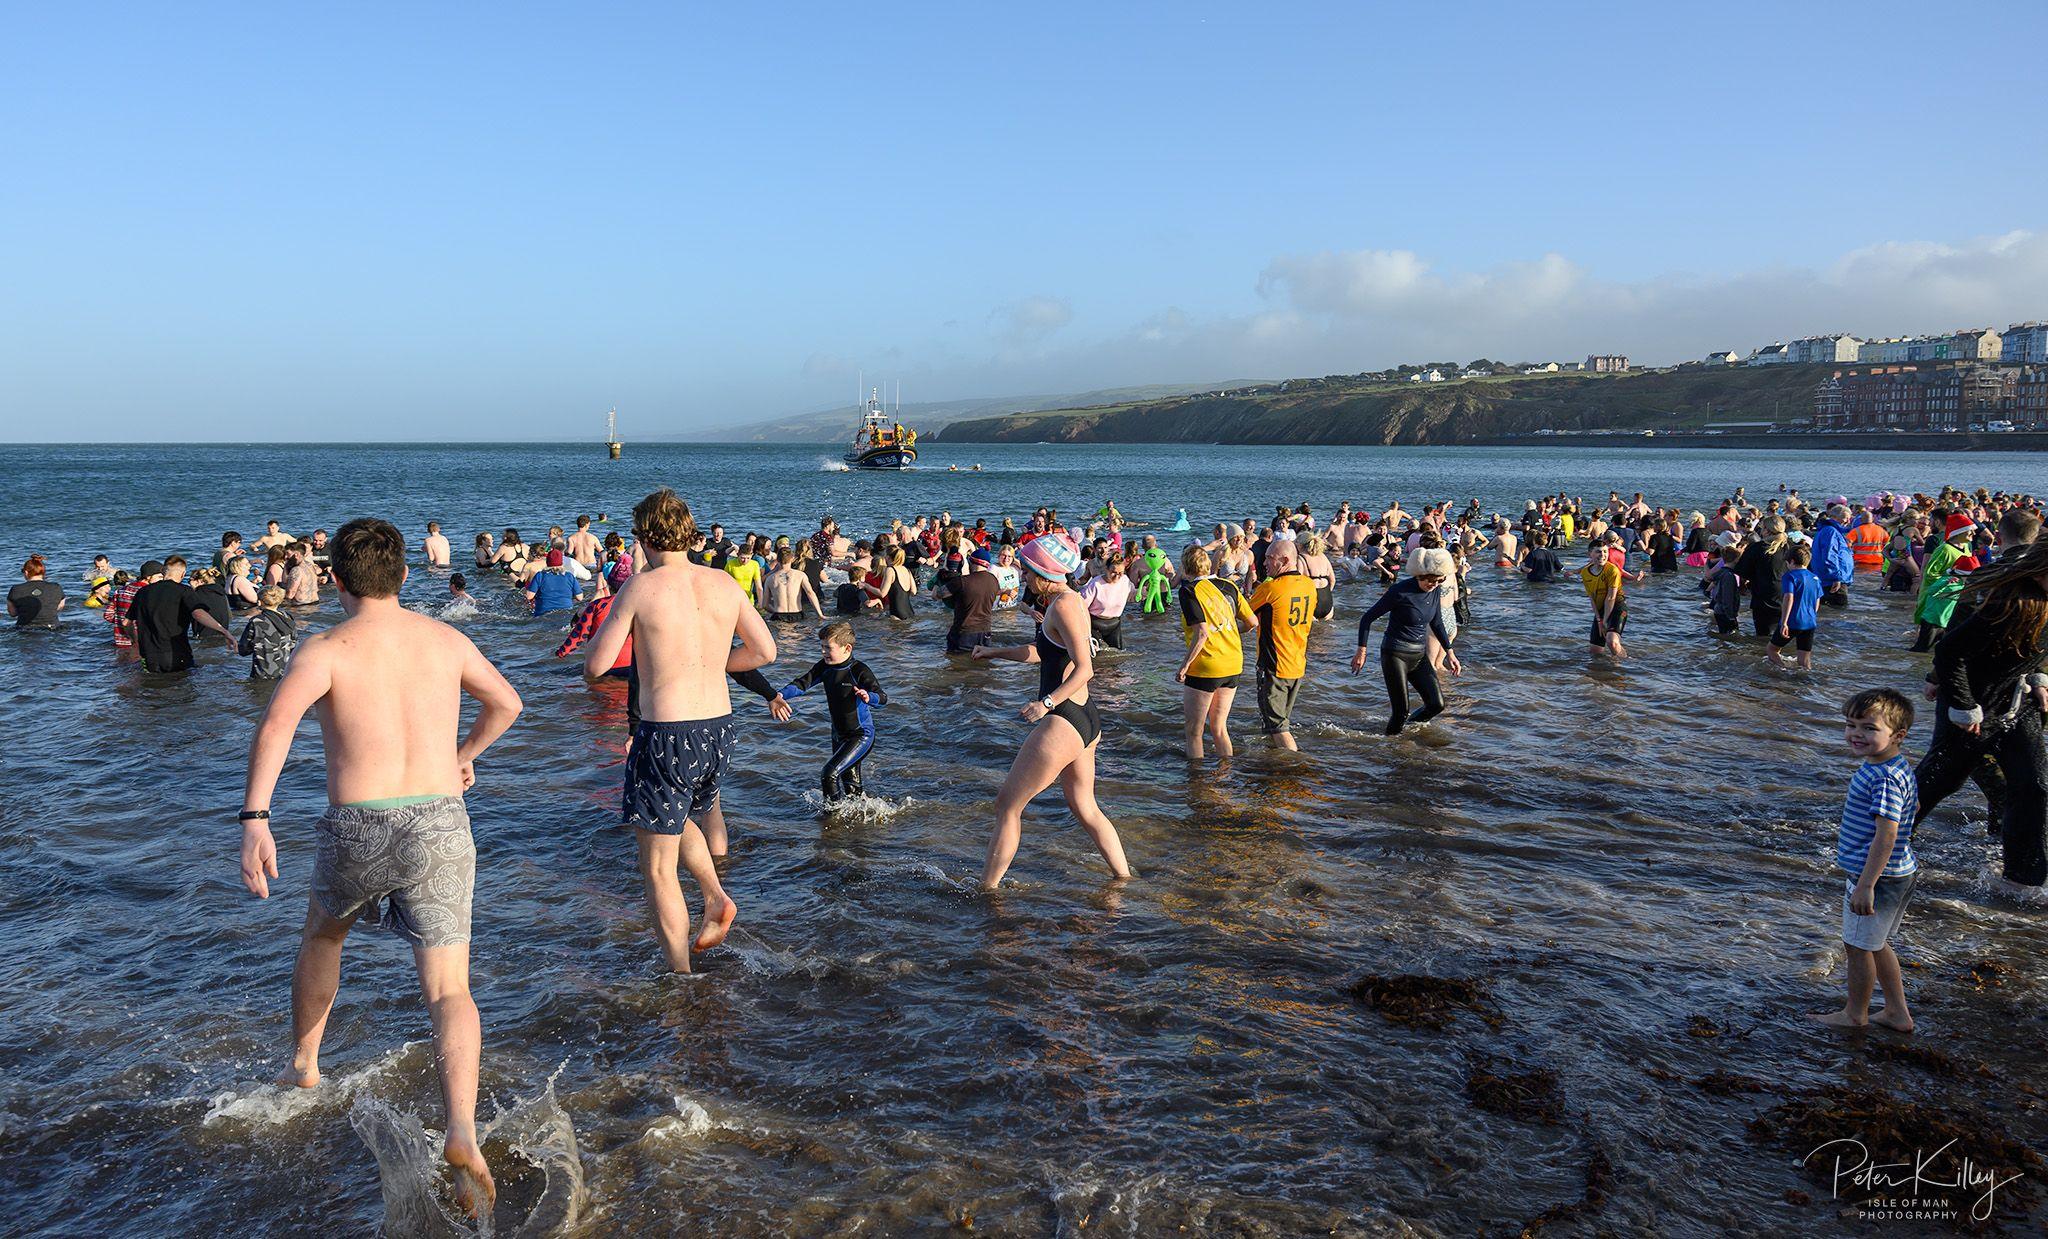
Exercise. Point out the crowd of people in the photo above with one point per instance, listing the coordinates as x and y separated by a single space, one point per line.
676 610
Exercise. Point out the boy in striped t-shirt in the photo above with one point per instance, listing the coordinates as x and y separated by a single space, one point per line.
1875 848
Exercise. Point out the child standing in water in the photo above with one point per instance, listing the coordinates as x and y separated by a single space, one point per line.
269 637
1875 847
1799 613
851 694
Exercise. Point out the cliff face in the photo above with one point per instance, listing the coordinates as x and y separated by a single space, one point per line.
1343 411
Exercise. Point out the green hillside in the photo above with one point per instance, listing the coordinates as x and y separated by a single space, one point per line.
1344 409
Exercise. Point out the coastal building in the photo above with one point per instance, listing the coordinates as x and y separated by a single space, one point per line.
1769 355
1726 357
1941 396
2024 344
1982 344
2030 395
1426 376
1613 364
1829 349
1541 367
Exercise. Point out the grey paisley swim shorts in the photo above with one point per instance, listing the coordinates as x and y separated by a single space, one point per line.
417 858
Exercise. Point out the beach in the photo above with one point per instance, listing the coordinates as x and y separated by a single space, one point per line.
1632 866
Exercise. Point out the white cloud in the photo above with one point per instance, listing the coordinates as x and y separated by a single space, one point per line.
1342 312
1029 321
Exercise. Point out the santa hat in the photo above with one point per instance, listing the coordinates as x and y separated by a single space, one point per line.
1957 523
1967 563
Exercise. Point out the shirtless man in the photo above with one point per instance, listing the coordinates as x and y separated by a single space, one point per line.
788 590
583 546
274 536
682 618
435 546
386 685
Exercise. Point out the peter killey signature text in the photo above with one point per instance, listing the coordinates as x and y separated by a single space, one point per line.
1916 1178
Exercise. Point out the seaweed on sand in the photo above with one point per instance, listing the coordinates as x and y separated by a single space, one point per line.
1973 1172
1990 974
1425 1002
1530 1096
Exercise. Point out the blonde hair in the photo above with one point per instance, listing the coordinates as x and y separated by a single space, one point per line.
1194 562
272 596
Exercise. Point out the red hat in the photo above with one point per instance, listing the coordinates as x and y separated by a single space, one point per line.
1967 563
554 559
1957 523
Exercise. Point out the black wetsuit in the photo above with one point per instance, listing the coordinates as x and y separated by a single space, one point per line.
1413 614
853 723
1053 661
1978 675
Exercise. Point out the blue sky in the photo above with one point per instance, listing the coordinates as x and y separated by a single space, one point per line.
423 221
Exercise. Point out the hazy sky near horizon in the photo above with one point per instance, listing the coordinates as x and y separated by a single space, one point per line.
388 221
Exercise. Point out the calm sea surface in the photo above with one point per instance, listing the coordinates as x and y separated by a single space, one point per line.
1624 858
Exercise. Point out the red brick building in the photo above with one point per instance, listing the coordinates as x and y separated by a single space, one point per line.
1913 397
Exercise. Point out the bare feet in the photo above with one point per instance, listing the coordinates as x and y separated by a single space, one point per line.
1840 1019
296 1076
1902 1023
716 926
473 1183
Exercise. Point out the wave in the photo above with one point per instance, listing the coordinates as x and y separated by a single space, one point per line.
827 465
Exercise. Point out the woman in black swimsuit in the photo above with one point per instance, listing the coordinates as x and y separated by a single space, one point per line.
1066 728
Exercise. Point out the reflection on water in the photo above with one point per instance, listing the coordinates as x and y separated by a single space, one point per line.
1614 854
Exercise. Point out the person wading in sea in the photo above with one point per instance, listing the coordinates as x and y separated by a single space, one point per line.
682 619
386 685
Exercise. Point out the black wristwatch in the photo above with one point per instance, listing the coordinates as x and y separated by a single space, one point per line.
253 815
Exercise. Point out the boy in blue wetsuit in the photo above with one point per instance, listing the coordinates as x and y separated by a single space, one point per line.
851 694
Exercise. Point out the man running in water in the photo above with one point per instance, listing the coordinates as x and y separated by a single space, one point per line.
386 685
682 619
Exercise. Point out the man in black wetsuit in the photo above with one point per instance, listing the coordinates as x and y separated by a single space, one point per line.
851 694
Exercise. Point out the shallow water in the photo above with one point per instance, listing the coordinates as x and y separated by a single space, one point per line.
1612 851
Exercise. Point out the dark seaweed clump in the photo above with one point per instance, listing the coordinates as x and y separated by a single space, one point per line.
1425 1002
1530 1096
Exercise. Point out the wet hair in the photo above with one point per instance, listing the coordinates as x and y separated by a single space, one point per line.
230 538
483 539
369 558
457 581
433 526
1886 705
663 521
838 632
33 568
271 596
2016 613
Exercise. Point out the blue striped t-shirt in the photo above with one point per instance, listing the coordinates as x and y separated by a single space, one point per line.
1881 789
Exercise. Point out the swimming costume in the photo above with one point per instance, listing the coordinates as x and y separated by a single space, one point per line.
411 869
673 772
1053 661
785 617
1210 683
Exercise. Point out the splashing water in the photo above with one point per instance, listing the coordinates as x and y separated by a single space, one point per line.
828 465
417 1199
